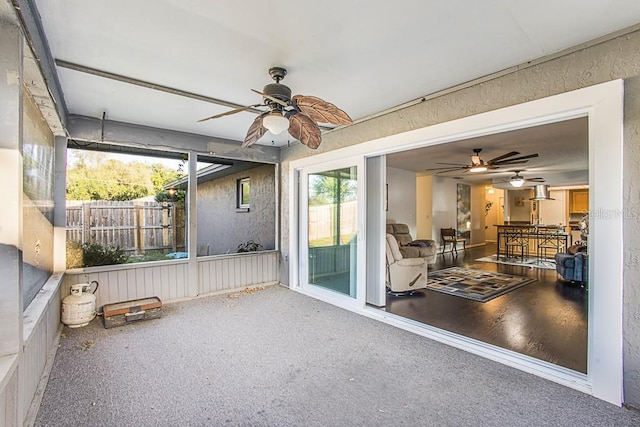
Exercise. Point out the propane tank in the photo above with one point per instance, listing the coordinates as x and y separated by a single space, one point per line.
79 308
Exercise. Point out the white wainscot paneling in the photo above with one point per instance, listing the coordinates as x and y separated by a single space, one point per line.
168 280
41 329
219 273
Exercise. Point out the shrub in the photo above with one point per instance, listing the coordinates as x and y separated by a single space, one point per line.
74 255
96 254
249 246
178 198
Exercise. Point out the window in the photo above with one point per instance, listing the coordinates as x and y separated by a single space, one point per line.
244 193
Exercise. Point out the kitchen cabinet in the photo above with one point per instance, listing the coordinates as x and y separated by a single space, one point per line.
579 201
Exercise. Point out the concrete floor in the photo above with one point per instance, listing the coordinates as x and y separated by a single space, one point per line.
278 358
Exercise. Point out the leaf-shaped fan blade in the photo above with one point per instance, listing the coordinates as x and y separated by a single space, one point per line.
227 113
255 132
321 111
305 130
271 98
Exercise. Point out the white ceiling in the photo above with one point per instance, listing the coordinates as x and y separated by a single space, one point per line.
363 56
562 148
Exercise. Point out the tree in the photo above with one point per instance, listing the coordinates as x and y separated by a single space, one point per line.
162 175
328 187
95 176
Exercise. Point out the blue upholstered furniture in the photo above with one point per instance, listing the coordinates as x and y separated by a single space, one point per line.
574 268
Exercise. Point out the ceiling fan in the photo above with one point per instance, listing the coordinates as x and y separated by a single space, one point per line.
518 180
299 114
478 165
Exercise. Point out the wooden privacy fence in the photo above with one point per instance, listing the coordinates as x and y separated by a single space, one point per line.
134 227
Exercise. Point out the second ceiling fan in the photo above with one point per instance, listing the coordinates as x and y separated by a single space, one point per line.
518 180
479 165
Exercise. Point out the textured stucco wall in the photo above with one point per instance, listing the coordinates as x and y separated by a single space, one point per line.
613 59
631 224
223 228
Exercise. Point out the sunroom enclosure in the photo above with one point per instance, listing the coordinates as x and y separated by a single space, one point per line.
33 227
28 339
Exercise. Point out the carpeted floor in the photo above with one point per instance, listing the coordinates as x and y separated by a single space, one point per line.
477 285
278 358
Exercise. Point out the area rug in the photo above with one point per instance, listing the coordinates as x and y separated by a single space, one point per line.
477 285
532 262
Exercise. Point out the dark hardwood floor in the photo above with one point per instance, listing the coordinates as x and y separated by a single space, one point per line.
546 319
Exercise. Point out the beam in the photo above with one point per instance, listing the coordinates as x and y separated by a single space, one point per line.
149 85
90 130
35 36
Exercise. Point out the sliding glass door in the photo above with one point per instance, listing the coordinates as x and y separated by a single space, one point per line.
329 229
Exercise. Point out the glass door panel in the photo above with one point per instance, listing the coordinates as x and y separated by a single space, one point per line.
332 226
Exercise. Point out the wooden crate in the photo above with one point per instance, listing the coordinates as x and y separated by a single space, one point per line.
122 313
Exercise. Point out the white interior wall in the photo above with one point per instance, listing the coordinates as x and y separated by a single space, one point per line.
424 208
402 198
477 215
519 205
444 204
495 214
554 211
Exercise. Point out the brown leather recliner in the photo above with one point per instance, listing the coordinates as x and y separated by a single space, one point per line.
413 248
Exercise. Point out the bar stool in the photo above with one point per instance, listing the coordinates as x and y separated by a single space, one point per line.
548 241
516 239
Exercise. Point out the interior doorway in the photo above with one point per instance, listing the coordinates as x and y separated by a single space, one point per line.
546 319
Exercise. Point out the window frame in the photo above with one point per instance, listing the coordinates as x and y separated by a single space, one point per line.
240 205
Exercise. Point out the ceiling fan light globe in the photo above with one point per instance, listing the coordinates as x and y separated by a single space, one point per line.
275 123
478 168
516 182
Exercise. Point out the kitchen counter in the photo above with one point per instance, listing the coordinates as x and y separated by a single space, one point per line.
534 238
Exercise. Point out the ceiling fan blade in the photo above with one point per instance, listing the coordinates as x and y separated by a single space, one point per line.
534 179
452 164
227 113
447 167
450 170
529 156
271 98
508 163
321 111
305 130
504 156
255 132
